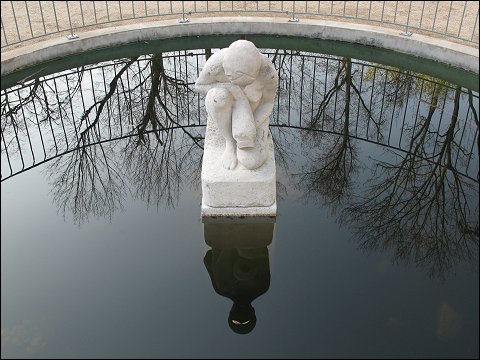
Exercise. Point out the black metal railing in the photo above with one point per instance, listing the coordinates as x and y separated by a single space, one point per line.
26 20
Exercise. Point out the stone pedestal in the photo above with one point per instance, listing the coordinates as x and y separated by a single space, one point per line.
237 192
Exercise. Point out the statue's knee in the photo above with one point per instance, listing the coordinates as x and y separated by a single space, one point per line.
251 158
218 99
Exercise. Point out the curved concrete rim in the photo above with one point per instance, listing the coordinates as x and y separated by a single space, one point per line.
443 51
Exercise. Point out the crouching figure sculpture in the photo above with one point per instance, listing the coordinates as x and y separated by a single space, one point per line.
240 85
238 166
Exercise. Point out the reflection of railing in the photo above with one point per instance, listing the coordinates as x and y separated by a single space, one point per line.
26 20
93 105
48 117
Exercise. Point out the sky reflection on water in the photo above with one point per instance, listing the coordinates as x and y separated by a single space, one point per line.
374 251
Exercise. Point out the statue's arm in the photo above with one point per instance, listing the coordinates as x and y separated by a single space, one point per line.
204 83
212 74
265 108
263 111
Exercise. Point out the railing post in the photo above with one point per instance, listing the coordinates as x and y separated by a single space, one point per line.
72 34
406 32
183 19
293 18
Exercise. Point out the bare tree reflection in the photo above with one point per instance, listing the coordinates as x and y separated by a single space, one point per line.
157 168
346 103
155 156
99 105
157 165
39 100
88 182
284 140
329 178
421 208
328 174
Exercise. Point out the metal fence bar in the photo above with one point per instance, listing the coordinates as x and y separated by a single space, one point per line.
463 17
4 34
28 17
395 14
72 112
475 27
43 19
325 90
27 131
16 23
371 100
6 154
55 13
358 102
406 32
40 133
435 16
19 147
442 111
184 19
81 12
448 18
461 137
108 12
72 35
421 15
393 116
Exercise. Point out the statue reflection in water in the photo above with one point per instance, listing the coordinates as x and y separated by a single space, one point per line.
238 265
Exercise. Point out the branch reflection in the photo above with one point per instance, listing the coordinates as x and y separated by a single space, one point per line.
421 210
153 159
418 203
329 173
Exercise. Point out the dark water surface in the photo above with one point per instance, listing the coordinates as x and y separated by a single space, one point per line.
374 251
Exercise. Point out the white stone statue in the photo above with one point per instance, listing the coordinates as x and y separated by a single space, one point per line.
240 85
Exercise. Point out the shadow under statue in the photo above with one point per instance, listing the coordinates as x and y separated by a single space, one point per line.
238 265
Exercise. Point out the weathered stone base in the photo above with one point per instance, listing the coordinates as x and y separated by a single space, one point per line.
238 212
237 192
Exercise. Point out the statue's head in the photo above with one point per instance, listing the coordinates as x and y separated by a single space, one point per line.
242 318
242 62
